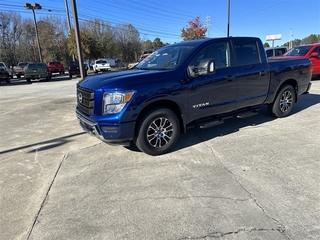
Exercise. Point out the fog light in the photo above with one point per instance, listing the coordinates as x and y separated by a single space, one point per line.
110 129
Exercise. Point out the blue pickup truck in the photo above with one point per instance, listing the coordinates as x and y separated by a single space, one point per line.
197 83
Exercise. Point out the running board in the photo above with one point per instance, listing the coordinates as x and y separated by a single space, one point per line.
248 114
211 124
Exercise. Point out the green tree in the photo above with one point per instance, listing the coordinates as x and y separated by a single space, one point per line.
157 43
313 38
266 45
53 39
90 48
146 45
195 30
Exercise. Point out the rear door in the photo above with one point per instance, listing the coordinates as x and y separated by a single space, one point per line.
252 73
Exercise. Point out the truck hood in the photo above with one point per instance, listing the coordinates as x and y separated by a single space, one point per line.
124 79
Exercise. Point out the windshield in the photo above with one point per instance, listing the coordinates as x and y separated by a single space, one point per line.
54 63
74 64
36 65
298 51
23 64
101 61
165 58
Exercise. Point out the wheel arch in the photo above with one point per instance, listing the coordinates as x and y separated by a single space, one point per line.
173 106
291 82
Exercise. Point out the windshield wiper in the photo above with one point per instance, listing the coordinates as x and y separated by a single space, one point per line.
142 68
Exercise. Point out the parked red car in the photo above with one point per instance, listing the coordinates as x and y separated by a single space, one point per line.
56 67
311 51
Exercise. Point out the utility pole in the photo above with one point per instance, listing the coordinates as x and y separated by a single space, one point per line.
290 39
68 20
208 23
68 16
78 40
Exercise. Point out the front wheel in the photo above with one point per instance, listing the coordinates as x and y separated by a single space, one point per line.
284 102
157 132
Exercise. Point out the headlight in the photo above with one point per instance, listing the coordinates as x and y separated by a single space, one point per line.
115 102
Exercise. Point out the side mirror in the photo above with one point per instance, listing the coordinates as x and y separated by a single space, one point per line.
314 54
206 66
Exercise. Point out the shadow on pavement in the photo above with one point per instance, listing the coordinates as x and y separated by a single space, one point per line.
44 145
196 135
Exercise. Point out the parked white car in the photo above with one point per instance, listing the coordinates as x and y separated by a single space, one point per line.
101 65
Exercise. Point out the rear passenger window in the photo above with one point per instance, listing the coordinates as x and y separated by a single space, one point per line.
246 52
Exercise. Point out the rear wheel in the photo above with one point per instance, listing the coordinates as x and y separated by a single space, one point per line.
157 132
28 80
8 79
70 75
284 102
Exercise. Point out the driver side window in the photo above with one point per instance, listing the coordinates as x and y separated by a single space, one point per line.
219 52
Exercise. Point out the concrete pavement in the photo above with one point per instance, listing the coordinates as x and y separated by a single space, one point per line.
254 178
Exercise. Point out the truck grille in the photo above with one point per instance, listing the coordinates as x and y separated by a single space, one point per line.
85 100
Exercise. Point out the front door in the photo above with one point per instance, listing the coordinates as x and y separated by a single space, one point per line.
214 93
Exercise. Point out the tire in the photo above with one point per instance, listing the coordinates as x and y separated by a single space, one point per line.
18 76
70 75
28 80
48 78
8 79
157 132
284 102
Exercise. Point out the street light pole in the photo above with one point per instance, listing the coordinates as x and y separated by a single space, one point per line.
228 24
33 7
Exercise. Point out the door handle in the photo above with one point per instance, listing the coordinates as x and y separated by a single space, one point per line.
230 78
262 73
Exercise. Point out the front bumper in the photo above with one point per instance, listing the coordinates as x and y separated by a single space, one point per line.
308 88
111 133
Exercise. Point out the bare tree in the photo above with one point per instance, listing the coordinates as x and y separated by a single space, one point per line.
10 32
128 42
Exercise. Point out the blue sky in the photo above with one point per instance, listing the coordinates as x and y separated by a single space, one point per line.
166 18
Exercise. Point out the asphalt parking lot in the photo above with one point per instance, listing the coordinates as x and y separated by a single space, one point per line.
254 178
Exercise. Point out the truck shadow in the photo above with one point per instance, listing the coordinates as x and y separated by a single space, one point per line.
196 135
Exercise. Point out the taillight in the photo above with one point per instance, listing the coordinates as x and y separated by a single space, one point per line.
310 69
